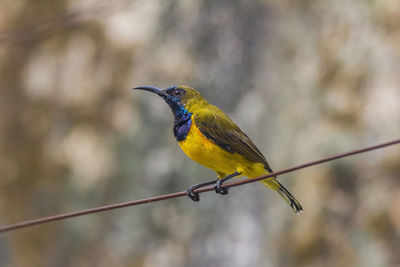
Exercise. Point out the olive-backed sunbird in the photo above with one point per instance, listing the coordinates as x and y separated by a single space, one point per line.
208 136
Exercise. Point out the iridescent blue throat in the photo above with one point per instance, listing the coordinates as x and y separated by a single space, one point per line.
182 123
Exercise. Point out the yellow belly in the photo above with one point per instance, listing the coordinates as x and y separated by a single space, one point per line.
208 154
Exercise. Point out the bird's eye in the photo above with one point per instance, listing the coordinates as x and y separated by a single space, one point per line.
178 92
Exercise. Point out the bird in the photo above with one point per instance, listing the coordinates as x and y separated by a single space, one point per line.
209 137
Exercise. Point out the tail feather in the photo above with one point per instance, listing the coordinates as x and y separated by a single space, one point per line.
284 193
290 199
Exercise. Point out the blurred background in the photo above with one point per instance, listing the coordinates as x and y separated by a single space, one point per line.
304 79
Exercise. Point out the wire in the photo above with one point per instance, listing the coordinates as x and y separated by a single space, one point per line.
183 193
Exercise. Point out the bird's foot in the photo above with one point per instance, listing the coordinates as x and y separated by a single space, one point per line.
219 189
218 184
193 196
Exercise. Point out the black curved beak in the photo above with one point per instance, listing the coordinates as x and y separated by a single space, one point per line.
152 89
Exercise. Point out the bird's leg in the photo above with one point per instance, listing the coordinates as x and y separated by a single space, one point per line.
219 182
195 196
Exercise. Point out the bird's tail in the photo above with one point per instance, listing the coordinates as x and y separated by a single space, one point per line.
284 193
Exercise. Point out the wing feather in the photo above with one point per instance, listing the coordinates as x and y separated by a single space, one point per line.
222 131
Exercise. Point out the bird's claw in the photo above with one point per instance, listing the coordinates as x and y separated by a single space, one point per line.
193 196
219 189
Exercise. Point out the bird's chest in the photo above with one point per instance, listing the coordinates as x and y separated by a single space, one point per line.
195 144
200 149
181 129
182 123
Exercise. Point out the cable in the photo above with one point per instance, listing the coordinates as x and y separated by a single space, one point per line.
183 193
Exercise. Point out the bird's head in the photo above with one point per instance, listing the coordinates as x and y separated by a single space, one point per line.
181 99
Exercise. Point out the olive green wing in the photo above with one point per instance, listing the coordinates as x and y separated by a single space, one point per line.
222 131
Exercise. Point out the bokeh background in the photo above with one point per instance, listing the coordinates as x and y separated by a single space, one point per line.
304 79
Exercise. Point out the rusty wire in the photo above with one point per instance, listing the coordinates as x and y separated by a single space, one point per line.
183 193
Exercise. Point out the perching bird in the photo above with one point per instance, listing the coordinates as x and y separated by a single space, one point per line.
208 136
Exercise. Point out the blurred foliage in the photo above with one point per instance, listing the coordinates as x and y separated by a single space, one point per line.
304 79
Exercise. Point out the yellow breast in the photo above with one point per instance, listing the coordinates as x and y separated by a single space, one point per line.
200 149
